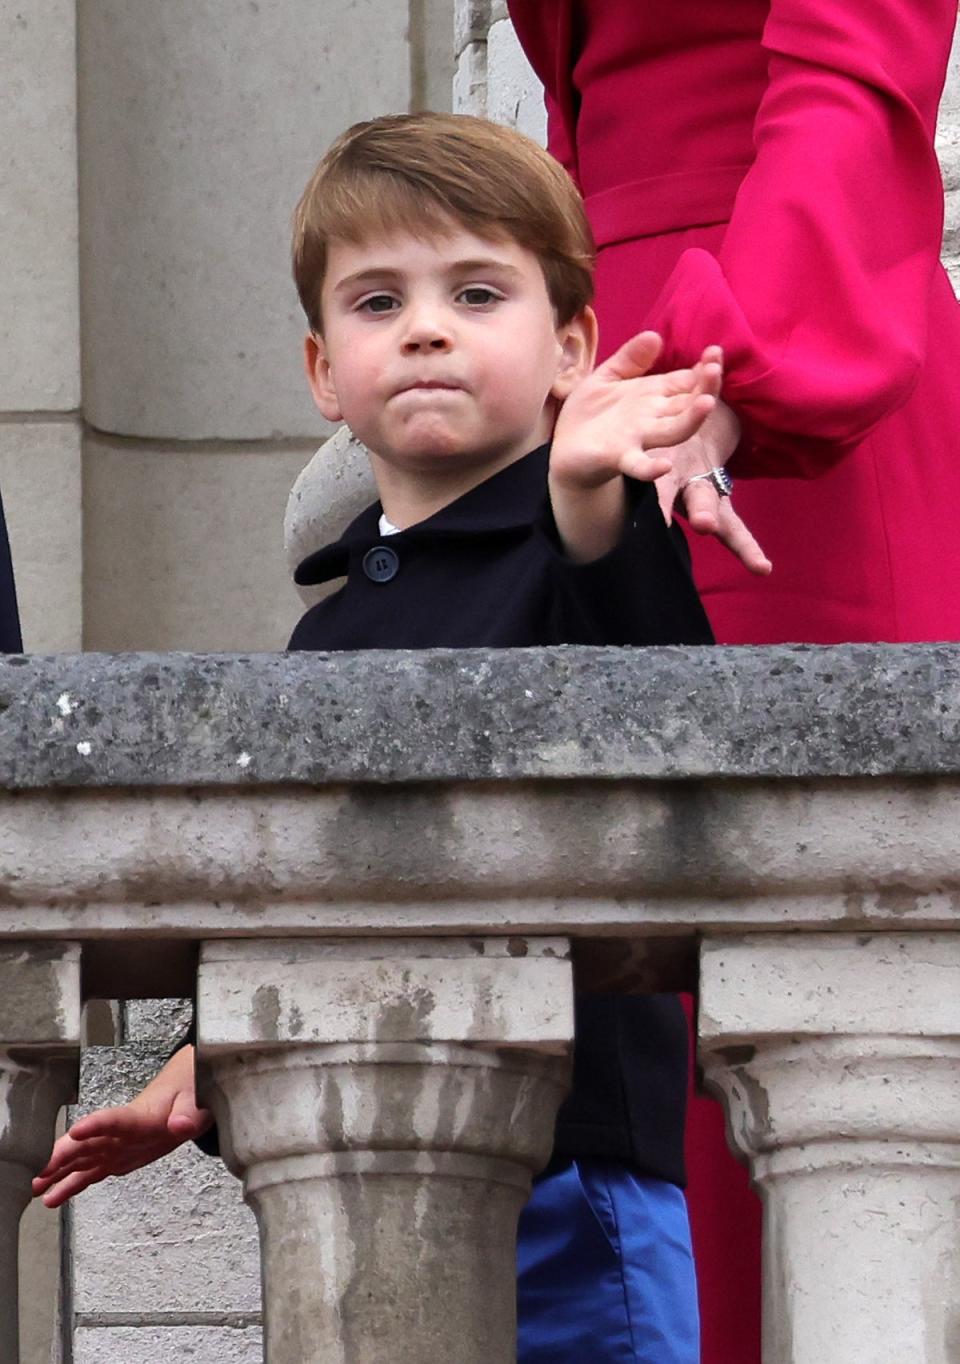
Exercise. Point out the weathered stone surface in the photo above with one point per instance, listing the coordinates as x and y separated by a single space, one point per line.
387 1175
889 983
41 1259
471 22
498 991
172 1238
40 478
40 996
844 1092
802 711
149 1344
584 858
200 124
39 1048
432 55
183 546
39 329
514 95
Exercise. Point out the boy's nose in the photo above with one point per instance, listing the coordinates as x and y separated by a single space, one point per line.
426 331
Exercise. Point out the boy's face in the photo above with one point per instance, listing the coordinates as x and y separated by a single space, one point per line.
443 351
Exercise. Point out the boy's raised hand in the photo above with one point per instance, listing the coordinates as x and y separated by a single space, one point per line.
618 414
615 422
115 1141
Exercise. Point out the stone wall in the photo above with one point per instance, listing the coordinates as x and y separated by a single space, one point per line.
150 157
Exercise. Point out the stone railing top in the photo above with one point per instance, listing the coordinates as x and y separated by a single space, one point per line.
162 720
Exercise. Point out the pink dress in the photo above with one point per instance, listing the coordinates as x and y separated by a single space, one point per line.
761 173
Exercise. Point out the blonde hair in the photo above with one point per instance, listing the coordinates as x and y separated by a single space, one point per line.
422 173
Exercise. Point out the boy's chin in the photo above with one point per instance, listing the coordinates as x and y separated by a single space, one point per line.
431 443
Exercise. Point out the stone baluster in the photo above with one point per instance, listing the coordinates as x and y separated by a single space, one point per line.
39 1057
386 1104
839 1060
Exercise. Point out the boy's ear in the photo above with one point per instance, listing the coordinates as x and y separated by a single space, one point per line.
320 378
578 352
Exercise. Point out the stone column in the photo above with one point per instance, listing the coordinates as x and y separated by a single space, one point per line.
39 318
386 1103
839 1060
39 1053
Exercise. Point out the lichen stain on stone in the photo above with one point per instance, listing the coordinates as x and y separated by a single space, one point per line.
65 704
897 901
266 1012
406 1020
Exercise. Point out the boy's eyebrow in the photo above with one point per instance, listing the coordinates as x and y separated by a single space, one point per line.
386 273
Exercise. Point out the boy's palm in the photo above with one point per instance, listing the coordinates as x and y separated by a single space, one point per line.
115 1141
619 413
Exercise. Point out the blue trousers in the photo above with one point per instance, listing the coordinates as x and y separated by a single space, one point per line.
605 1270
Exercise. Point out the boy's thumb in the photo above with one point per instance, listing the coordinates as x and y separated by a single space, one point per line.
185 1118
634 357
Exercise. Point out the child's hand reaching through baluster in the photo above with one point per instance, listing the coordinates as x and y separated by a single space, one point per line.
114 1141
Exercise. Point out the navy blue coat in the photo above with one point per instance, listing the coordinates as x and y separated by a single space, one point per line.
10 641
489 571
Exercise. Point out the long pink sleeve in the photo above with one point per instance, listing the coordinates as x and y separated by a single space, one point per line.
820 291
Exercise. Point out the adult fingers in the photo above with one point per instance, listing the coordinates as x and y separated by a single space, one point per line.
739 540
701 506
709 514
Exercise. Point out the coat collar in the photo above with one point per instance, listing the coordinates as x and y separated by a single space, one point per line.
506 502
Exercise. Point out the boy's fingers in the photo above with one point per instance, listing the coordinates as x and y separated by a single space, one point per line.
710 378
633 358
106 1122
66 1188
672 429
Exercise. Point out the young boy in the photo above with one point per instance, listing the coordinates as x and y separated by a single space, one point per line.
444 265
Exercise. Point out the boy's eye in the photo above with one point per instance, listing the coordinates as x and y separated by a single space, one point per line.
379 303
477 295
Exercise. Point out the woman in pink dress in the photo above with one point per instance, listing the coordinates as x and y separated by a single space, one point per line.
761 174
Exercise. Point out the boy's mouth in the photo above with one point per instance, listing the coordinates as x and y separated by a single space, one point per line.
430 386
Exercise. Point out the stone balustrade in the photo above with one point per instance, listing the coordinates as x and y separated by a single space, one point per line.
382 874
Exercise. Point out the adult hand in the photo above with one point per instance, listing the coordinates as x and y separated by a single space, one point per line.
115 1141
706 511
